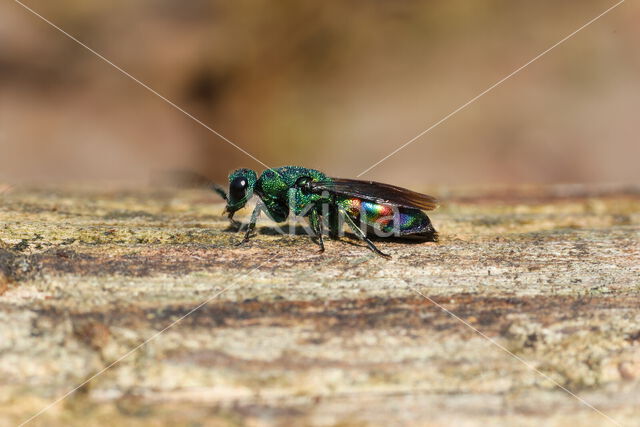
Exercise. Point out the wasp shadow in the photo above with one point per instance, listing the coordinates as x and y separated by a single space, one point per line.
285 230
350 237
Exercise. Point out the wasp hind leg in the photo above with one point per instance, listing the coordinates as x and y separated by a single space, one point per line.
316 225
363 236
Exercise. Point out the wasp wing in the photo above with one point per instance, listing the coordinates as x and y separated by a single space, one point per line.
376 192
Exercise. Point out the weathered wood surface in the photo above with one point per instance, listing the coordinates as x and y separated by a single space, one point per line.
553 275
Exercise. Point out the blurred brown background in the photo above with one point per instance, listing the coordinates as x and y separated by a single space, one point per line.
330 85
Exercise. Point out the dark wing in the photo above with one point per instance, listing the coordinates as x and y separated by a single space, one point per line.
376 192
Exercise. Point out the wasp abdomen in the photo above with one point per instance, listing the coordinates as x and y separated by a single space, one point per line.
387 218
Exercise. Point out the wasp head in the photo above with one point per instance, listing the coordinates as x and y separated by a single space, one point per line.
241 184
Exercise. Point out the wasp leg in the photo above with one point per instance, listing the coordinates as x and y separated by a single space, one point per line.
218 189
334 221
363 236
317 227
252 224
234 225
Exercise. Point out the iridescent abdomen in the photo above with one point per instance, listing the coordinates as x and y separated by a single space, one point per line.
387 218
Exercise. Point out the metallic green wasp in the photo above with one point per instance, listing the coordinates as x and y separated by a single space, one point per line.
380 209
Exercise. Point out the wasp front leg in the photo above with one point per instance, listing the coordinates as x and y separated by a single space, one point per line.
233 224
252 223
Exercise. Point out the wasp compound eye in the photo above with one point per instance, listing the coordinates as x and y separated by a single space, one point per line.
238 188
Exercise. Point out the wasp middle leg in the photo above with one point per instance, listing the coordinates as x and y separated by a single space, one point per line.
317 226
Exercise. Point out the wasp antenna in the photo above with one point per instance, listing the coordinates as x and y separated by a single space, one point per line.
219 189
